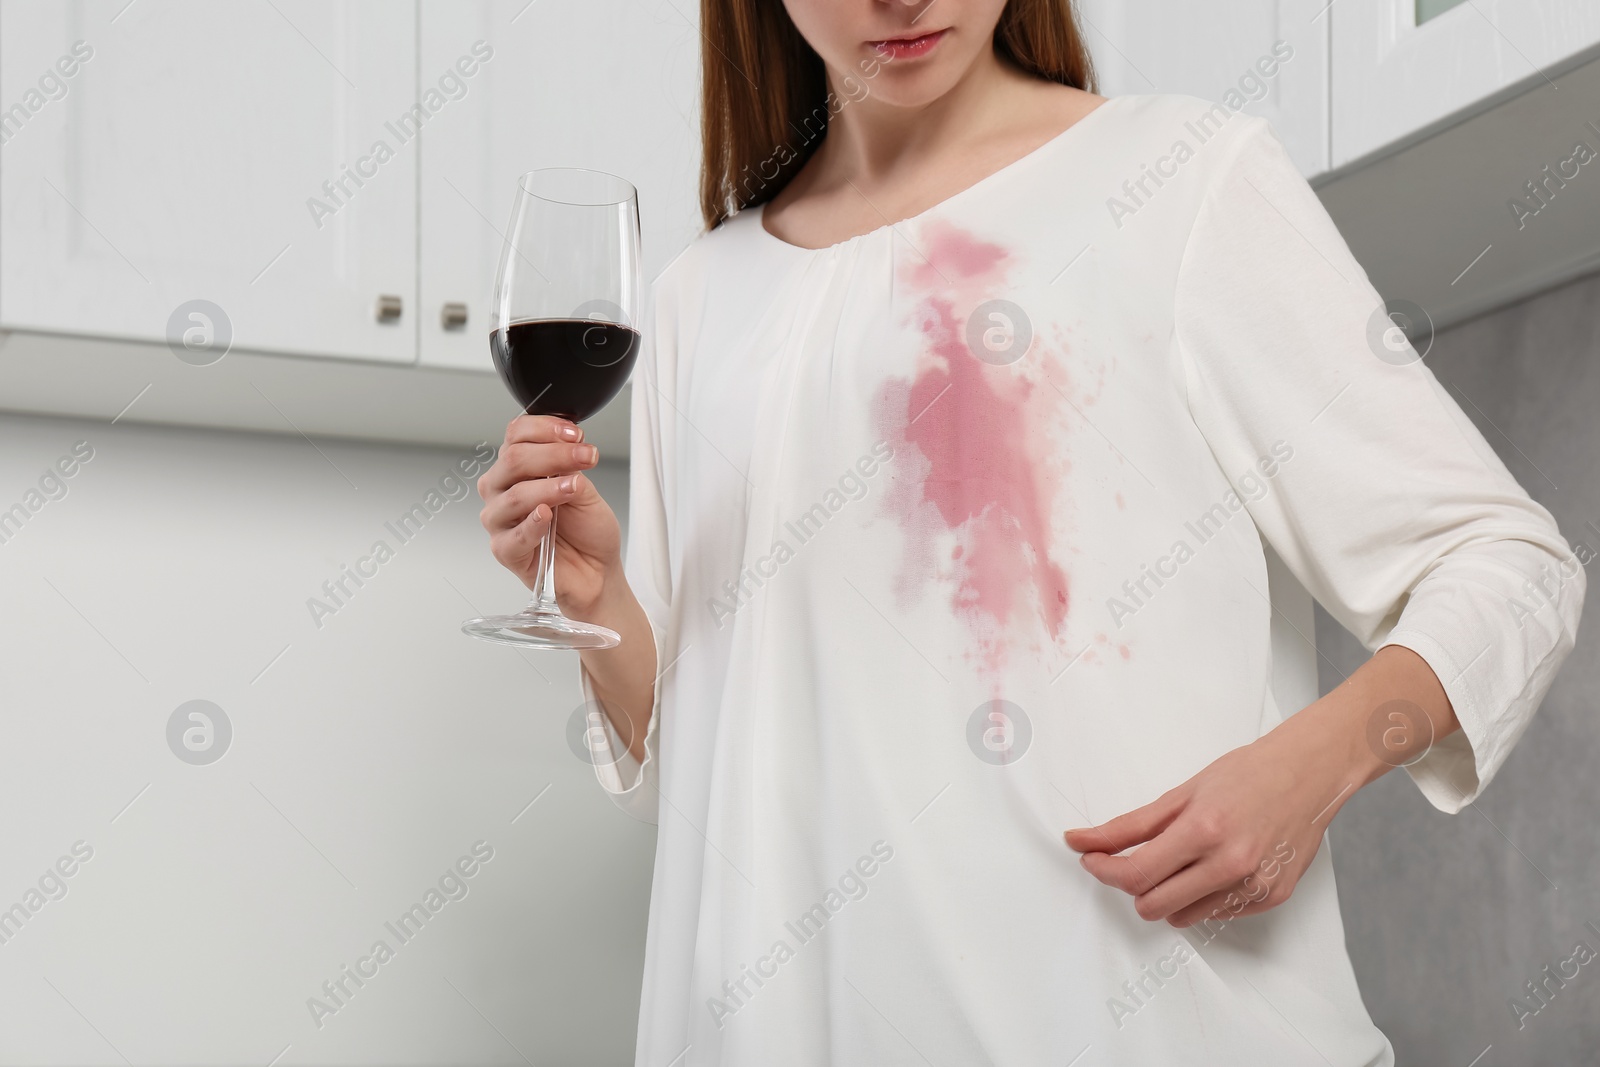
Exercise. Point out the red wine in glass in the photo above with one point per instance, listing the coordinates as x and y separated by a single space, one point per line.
566 367
563 339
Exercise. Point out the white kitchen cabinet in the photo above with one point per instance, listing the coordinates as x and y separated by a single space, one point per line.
1393 76
182 161
608 84
1271 53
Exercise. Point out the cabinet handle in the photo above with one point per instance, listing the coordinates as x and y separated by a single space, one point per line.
388 308
453 316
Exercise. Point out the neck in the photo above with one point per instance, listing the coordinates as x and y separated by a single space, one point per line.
870 138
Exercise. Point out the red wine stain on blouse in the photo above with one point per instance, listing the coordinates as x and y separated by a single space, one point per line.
950 254
979 480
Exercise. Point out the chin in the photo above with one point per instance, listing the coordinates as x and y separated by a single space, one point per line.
914 88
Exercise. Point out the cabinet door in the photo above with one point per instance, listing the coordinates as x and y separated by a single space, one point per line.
1393 75
185 159
608 84
1271 53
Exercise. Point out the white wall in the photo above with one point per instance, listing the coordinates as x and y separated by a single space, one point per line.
364 761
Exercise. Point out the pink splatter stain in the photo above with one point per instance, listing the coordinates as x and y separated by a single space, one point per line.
978 478
949 255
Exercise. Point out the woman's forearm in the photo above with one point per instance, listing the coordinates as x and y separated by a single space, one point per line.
1236 838
623 678
1387 714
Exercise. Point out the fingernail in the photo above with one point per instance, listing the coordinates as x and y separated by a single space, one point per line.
569 431
1083 861
588 453
568 484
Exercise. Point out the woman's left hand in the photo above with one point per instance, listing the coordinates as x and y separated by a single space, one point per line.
1235 839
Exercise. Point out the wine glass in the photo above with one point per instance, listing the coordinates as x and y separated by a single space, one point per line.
563 339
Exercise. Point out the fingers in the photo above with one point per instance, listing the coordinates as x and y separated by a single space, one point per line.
542 430
522 459
1151 865
1128 830
1190 869
1194 883
1246 897
513 507
1161 891
517 548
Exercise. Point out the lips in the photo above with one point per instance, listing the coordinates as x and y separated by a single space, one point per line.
910 47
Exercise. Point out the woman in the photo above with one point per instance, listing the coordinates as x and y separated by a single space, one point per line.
956 452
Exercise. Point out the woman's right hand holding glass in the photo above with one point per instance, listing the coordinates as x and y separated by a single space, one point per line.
541 466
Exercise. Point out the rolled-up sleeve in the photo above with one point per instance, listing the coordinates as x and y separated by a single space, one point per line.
1393 510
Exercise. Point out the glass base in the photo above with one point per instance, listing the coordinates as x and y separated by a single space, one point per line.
541 629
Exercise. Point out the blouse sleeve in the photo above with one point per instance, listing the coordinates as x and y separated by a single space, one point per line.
634 784
1391 509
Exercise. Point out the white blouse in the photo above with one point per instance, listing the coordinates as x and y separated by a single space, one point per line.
951 535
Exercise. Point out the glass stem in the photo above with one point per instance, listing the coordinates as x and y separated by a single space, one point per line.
544 582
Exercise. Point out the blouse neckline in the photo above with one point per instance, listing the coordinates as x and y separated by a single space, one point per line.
987 179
